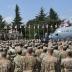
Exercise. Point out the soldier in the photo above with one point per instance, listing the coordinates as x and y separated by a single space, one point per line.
43 54
11 53
50 63
66 63
30 61
5 64
63 52
18 61
24 51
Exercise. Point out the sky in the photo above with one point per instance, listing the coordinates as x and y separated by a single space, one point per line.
30 8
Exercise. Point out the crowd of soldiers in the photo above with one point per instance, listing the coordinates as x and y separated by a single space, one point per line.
35 56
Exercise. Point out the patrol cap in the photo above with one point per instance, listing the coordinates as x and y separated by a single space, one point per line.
69 52
24 51
1 49
18 49
44 48
29 49
65 47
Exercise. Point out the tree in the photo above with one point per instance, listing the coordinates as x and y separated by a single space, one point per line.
53 20
17 20
2 23
41 16
39 19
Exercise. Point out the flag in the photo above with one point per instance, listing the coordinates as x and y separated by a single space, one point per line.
34 27
35 34
25 26
38 27
43 26
10 26
15 27
51 26
20 26
5 27
47 26
56 26
29 26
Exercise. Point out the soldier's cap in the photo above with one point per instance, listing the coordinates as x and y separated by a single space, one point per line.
30 48
65 46
44 48
50 50
18 49
24 51
68 50
69 42
26 45
13 46
1 49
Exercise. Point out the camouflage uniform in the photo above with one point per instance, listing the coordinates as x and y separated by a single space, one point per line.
66 65
30 62
5 65
18 64
50 64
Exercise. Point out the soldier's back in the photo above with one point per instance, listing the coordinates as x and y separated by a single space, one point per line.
50 64
63 54
66 65
18 64
30 61
5 65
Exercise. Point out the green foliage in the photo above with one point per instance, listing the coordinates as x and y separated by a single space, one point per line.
17 20
38 20
41 16
2 23
52 20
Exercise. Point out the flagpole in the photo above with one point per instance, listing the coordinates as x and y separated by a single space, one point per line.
25 33
29 31
43 30
34 32
38 31
38 34
47 29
